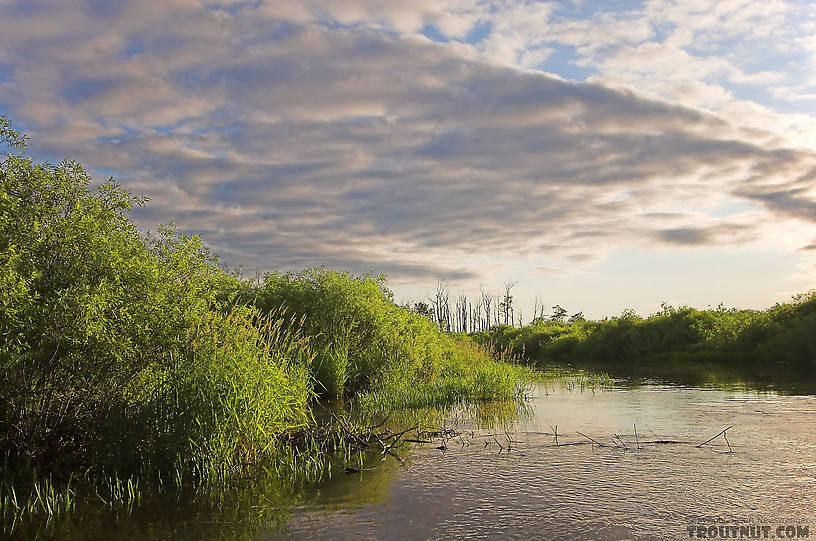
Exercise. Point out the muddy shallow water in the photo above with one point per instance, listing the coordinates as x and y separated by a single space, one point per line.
539 490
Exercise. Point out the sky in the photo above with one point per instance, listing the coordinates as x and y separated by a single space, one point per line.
598 155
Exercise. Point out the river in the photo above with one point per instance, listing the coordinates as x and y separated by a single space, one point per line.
537 489
512 479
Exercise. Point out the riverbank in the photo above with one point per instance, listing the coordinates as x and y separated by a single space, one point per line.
134 361
773 345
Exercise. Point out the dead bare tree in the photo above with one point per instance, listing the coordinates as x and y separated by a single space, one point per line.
538 311
440 304
506 305
461 313
487 300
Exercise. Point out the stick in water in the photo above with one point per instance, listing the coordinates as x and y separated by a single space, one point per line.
715 437
727 443
599 444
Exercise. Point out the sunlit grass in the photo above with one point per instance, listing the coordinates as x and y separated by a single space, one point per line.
134 363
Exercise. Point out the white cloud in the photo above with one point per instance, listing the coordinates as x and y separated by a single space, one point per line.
294 134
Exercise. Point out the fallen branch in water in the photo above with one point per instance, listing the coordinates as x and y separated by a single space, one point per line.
342 435
721 432
596 442
617 440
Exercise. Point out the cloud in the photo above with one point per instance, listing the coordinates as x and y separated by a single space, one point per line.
700 236
794 202
287 141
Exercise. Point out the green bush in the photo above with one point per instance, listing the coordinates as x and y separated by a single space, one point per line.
463 372
119 351
782 337
366 343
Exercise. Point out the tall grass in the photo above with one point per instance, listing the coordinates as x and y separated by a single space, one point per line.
367 345
465 372
133 360
43 497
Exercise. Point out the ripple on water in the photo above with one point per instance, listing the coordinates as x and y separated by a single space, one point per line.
540 490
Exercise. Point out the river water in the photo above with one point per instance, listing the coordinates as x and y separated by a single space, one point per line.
483 486
539 490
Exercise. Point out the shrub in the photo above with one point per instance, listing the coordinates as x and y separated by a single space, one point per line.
779 338
365 342
117 350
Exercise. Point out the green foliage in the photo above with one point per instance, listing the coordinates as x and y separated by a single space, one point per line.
127 357
119 351
464 372
363 342
782 336
352 321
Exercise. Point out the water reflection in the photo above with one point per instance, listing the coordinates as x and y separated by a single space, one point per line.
535 489
747 376
539 490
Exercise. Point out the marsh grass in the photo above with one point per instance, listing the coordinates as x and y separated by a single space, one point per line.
133 363
331 367
391 357
44 497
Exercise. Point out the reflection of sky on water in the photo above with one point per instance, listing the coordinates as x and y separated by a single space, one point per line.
583 492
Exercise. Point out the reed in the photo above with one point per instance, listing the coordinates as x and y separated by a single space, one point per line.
136 362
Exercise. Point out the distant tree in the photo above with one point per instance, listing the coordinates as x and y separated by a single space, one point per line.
576 317
538 311
440 304
461 313
629 314
487 301
506 304
559 314
423 309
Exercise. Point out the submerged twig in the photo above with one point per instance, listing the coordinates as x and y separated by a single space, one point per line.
497 443
653 433
727 442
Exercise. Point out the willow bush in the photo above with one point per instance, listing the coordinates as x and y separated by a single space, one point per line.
780 338
364 343
126 355
119 352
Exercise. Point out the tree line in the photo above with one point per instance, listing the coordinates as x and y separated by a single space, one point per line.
458 313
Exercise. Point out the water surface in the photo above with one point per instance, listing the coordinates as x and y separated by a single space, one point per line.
540 490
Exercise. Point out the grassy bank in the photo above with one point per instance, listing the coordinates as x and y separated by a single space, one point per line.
366 346
780 340
129 359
